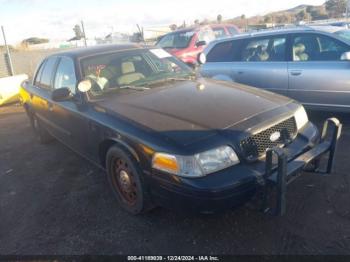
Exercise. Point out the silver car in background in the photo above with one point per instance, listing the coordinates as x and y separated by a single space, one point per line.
309 64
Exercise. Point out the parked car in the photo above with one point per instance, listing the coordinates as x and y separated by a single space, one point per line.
164 136
224 30
309 64
187 43
340 24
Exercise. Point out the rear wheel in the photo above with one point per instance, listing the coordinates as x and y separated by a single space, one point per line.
125 179
40 132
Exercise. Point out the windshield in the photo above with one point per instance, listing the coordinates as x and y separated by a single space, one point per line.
132 70
177 40
345 34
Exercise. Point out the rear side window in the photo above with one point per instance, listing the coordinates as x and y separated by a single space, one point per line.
45 79
222 52
227 51
39 73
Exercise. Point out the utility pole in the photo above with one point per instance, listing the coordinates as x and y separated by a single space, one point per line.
82 27
8 52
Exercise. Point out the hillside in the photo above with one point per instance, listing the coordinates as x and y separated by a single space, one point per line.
307 13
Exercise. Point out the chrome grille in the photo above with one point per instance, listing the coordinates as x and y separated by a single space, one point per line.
255 145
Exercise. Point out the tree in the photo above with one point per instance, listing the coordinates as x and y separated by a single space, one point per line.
318 13
34 41
336 8
283 19
268 19
196 22
243 17
219 19
78 33
173 27
303 15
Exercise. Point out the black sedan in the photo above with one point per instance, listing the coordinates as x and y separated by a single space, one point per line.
168 137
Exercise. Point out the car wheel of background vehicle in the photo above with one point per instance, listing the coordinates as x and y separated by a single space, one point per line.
125 178
40 132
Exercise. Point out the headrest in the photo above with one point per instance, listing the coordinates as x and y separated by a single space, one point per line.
128 67
299 48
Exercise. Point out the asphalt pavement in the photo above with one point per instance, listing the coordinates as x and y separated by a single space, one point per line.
53 202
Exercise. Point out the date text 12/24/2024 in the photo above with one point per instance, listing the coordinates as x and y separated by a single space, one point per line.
173 258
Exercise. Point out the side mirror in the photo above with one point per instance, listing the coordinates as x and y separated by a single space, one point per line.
201 43
84 86
61 94
345 56
201 58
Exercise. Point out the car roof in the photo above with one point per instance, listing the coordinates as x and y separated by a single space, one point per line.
278 31
283 30
199 27
88 51
327 28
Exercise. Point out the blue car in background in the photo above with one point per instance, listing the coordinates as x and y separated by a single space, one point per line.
308 63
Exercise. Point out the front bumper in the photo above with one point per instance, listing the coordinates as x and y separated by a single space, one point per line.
238 184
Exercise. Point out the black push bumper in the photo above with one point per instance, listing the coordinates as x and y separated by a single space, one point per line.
279 173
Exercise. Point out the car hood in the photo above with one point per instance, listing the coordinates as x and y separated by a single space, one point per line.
199 105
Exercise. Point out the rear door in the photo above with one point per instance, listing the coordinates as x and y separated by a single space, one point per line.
259 62
317 75
43 83
263 64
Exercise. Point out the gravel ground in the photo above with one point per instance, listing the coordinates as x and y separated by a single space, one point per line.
54 202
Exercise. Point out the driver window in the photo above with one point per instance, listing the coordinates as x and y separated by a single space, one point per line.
65 75
206 35
313 47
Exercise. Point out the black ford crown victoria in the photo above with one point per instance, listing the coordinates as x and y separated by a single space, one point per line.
166 136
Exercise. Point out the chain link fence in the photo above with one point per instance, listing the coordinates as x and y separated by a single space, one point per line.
24 62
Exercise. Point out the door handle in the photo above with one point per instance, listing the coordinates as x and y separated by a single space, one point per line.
295 72
240 72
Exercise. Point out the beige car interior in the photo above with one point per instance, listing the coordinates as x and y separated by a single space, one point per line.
128 74
260 54
299 52
255 54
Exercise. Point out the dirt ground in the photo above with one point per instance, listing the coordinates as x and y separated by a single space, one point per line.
54 202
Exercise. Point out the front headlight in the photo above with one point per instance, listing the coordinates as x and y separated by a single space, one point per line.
198 165
301 117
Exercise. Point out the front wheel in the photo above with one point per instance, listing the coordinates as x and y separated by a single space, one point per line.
125 179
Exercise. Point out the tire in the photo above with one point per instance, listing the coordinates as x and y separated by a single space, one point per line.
125 178
40 132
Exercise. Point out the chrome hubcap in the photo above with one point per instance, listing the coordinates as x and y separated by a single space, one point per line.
124 180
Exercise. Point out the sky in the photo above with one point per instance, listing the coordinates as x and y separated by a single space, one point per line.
55 19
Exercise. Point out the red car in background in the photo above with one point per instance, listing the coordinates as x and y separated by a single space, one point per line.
187 43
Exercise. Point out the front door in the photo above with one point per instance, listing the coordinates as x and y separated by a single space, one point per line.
71 125
317 75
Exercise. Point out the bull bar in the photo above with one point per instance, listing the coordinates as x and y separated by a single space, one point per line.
286 172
